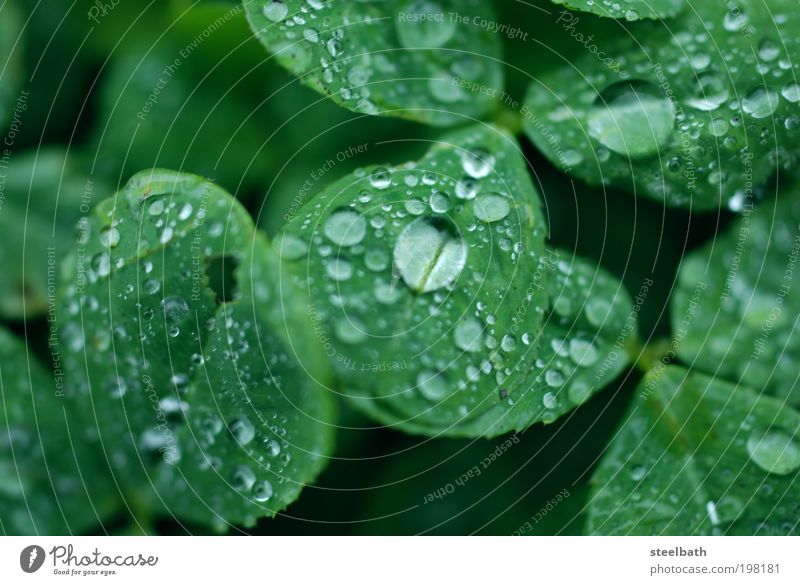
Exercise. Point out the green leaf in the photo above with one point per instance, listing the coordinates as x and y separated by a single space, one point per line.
698 456
688 112
51 482
44 195
590 324
10 58
428 284
414 59
173 310
156 111
735 308
627 9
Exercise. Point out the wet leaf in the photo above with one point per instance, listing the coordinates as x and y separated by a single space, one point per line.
691 111
699 456
43 197
428 284
173 310
414 59
627 9
424 279
735 309
51 480
589 325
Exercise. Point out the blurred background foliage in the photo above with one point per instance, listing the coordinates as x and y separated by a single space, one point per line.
110 91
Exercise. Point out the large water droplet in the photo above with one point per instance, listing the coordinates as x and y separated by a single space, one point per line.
429 255
775 451
632 118
276 10
431 385
760 103
243 430
582 352
711 92
791 92
468 334
491 207
423 24
262 491
290 247
345 228
477 163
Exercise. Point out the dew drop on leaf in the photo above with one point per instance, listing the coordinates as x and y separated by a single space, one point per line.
431 385
491 207
429 256
423 24
345 228
243 430
774 451
632 118
276 11
262 491
760 103
468 334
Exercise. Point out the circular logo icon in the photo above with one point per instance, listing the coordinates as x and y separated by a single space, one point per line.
31 558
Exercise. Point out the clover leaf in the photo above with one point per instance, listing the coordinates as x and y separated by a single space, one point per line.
414 59
179 353
627 9
699 456
44 198
51 480
428 285
735 309
688 112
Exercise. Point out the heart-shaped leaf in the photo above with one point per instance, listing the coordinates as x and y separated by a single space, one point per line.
692 111
176 340
735 309
10 60
51 482
627 9
415 59
44 198
698 456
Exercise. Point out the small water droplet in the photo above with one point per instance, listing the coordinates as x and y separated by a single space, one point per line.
775 451
440 202
109 237
243 479
345 228
380 178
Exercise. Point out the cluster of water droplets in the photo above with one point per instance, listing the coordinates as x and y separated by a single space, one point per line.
729 92
350 48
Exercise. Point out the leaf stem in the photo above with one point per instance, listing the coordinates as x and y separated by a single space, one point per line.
508 118
646 356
